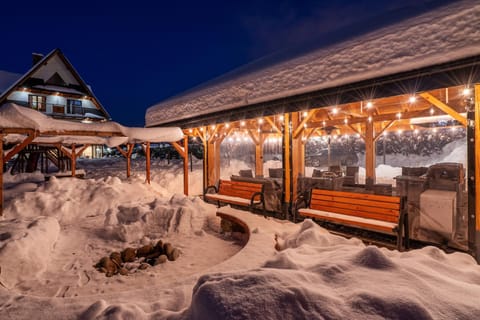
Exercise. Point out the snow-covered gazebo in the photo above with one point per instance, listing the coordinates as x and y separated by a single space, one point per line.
414 75
20 126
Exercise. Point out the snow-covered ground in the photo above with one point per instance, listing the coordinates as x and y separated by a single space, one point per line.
53 233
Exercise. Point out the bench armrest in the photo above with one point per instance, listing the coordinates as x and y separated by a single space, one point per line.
210 188
302 198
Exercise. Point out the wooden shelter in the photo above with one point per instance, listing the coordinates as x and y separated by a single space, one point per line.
20 127
401 78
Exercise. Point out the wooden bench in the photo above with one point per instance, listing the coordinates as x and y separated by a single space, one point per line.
385 214
240 193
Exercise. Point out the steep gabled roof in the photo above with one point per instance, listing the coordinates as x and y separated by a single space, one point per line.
447 34
56 52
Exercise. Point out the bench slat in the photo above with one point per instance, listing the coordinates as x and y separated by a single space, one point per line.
358 213
354 207
346 221
360 196
365 202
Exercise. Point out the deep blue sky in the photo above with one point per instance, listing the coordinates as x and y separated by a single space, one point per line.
134 57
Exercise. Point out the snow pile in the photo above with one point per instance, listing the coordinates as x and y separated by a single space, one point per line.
25 249
318 276
180 214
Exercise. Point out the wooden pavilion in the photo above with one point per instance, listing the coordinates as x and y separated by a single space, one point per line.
20 127
366 87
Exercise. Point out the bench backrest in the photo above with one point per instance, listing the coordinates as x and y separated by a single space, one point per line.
239 188
384 208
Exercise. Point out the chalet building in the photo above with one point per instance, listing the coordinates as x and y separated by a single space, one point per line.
53 86
384 97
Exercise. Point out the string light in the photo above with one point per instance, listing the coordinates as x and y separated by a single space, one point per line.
212 126
432 111
260 121
190 130
467 91
369 118
369 104
227 125
345 121
281 118
334 110
412 99
399 115
242 123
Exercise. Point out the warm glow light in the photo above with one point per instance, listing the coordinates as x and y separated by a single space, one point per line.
258 130
281 118
453 129
194 138
370 119
412 99
399 131
434 129
227 125
335 136
415 131
260 121
324 123
242 123
432 111
245 139
190 130
334 110
345 121
358 135
305 113
230 139
467 91
201 129
369 104
304 125
399 115
212 126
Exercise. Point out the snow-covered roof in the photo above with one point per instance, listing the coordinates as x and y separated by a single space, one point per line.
7 79
111 133
449 33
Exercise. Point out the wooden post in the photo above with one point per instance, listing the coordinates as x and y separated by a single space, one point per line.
213 161
298 154
476 214
73 160
259 155
1 175
129 158
185 165
369 155
287 135
147 159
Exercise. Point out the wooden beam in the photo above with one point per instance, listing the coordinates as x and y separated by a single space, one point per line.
299 128
81 150
444 107
287 157
369 154
124 153
179 148
73 160
147 161
259 155
254 136
383 130
477 165
185 166
273 125
19 147
357 131
129 158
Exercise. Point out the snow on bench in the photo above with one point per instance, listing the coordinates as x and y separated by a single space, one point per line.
246 194
379 213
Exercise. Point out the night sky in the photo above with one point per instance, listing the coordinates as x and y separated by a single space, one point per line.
136 56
